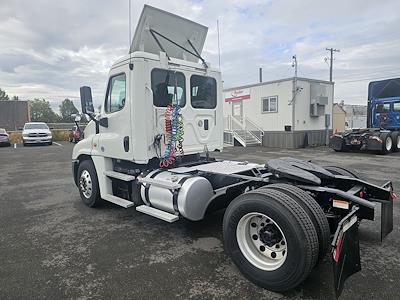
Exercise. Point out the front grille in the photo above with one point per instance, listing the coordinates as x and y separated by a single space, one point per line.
37 134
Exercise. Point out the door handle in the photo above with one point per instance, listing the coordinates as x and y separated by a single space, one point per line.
126 143
205 124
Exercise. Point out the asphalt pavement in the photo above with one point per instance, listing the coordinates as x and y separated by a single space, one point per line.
52 246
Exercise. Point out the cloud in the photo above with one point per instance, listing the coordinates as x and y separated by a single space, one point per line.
51 48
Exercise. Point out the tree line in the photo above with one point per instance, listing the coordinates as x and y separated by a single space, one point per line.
41 111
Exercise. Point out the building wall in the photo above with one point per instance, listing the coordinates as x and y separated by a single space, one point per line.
276 121
13 114
294 139
252 108
356 116
338 119
303 119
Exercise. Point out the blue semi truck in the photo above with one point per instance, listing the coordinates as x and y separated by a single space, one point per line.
383 121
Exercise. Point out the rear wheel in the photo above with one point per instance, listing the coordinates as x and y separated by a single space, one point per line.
342 147
314 211
88 184
396 141
387 143
270 238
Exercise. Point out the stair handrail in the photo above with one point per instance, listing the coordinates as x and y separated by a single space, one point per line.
255 125
238 123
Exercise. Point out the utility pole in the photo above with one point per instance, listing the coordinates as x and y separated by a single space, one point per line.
294 93
331 50
294 65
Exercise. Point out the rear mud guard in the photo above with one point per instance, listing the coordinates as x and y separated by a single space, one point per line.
346 250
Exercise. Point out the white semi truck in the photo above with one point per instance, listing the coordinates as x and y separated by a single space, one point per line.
150 145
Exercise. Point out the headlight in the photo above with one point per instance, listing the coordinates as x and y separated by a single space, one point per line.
25 135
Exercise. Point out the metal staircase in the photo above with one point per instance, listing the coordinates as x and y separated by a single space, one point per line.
244 131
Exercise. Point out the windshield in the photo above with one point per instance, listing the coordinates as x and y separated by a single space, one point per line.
35 126
2 130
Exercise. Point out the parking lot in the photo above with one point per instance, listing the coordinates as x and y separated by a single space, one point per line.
53 246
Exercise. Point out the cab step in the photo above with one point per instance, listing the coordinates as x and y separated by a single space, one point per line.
120 176
117 200
160 214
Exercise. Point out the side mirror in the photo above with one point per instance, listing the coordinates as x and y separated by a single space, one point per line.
77 118
86 100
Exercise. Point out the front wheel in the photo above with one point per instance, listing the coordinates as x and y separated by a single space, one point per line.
270 238
88 184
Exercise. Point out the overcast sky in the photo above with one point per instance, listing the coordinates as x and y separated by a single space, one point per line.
48 49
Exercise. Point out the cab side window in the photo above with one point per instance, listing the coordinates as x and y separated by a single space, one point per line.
168 87
116 93
382 107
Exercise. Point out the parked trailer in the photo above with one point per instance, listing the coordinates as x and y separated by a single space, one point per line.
162 109
383 121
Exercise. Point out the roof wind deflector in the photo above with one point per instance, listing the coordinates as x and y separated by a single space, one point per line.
195 53
158 30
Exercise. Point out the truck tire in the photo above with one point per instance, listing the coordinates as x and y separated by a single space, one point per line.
336 170
342 147
314 211
396 141
270 238
387 143
88 184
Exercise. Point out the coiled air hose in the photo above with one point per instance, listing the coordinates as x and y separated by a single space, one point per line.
174 131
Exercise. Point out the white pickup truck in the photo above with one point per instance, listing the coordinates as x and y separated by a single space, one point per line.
36 133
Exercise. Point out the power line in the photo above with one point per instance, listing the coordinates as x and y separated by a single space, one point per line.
331 50
364 79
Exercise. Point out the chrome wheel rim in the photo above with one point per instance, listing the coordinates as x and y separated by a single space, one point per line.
389 143
261 241
85 184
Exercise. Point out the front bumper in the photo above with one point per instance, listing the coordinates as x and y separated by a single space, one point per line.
37 140
5 142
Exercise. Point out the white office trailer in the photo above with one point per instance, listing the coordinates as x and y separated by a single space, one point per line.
286 113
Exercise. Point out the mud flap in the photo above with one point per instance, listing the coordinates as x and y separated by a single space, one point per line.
386 218
346 251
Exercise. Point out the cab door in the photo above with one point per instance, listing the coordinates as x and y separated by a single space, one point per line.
396 114
202 127
115 139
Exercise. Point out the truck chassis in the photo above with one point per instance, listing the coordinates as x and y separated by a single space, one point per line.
367 139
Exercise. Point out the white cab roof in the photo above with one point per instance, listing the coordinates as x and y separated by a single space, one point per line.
174 27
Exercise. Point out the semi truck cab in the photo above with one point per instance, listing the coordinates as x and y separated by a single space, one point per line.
385 113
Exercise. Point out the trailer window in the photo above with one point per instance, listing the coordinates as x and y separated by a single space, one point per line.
203 92
168 86
382 107
396 106
269 104
116 93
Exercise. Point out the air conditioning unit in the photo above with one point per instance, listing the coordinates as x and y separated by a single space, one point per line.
318 99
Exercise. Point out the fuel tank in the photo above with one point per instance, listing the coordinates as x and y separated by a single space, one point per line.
190 201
